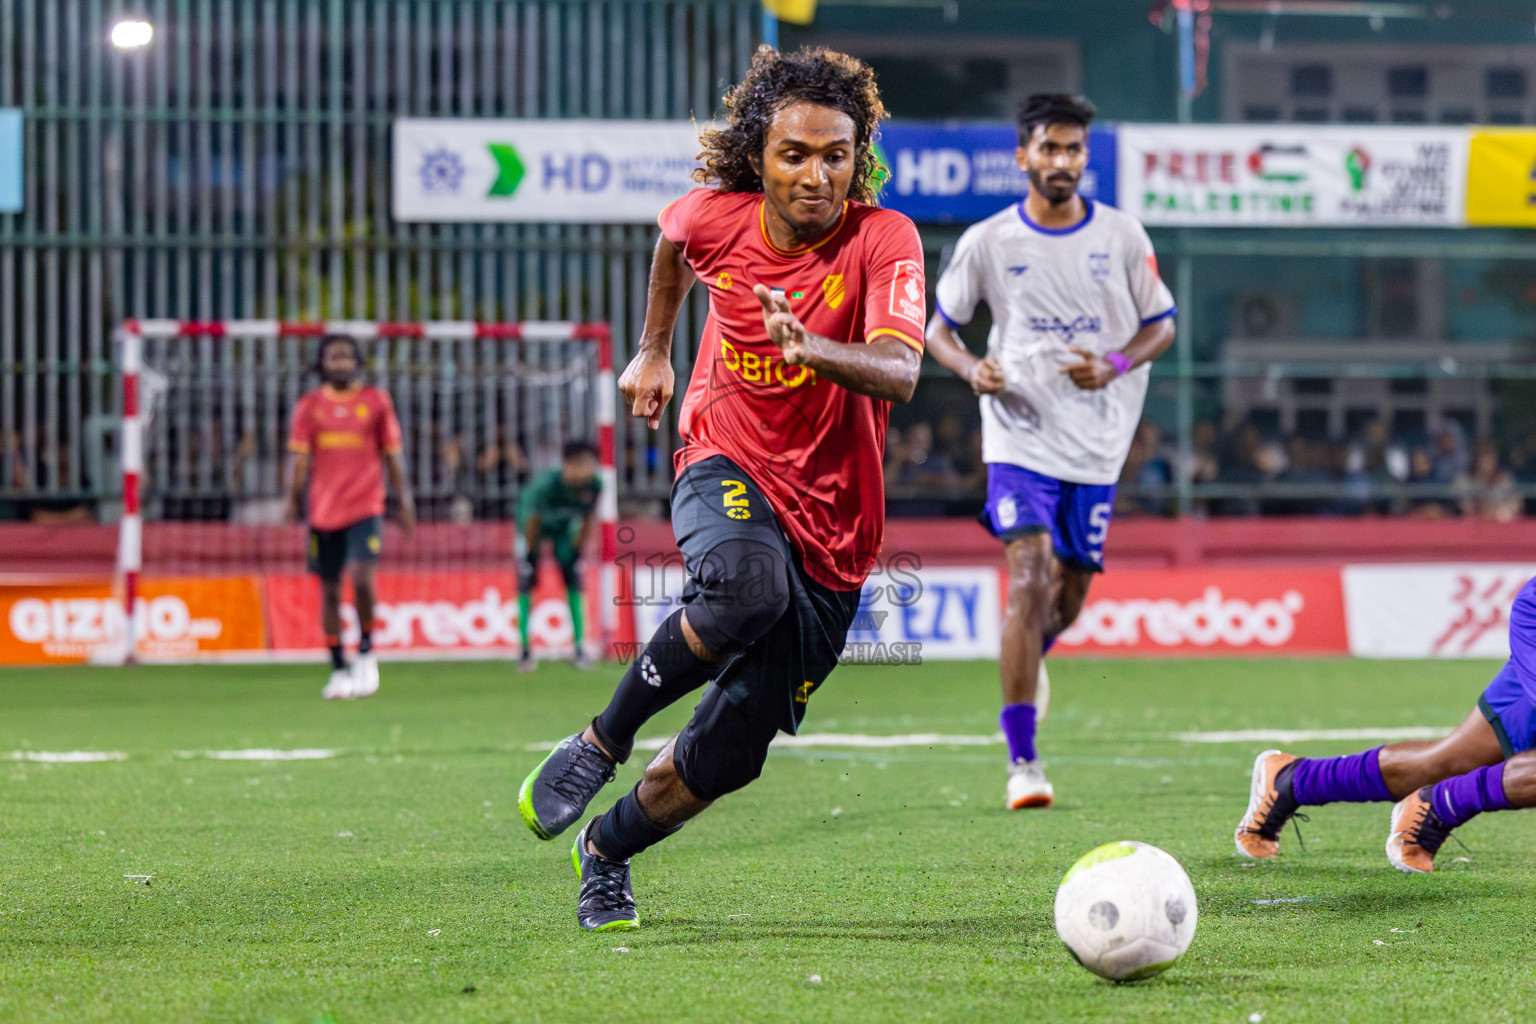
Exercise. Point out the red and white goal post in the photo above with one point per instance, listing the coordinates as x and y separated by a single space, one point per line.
208 569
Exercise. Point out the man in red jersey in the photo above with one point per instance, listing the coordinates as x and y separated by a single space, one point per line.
815 328
339 433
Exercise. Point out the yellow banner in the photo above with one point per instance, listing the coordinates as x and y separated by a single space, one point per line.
797 12
1501 178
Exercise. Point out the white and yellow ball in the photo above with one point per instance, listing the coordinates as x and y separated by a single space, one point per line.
1126 911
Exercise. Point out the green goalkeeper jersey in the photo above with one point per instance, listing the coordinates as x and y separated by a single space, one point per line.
560 508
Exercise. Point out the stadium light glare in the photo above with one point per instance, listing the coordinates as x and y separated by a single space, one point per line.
132 35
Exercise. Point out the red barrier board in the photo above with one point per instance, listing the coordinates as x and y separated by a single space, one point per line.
1211 612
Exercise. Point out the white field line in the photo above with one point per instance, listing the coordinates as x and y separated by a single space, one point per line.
260 754
839 739
1412 732
67 756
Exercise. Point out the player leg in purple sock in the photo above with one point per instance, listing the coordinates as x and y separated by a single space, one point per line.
1355 778
1460 799
1018 724
1423 820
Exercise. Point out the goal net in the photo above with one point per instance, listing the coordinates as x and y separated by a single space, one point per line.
211 570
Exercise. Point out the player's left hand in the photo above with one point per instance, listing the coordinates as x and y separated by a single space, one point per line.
784 328
407 518
1093 373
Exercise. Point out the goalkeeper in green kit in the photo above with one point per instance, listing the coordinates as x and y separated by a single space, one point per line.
558 506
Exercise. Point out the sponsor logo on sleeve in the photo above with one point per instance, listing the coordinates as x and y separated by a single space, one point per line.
907 292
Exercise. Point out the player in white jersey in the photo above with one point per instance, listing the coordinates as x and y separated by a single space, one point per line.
1078 312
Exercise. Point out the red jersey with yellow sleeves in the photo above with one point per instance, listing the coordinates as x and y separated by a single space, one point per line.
346 434
813 448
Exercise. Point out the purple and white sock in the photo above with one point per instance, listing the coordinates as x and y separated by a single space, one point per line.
1018 722
1463 797
1354 779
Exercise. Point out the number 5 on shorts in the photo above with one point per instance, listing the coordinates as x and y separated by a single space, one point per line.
1098 519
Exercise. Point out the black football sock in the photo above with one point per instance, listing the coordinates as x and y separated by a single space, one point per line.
625 830
665 671
338 656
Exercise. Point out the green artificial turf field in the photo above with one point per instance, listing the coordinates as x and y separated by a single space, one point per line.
394 881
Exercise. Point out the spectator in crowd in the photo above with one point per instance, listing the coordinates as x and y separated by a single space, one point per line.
1422 471
895 454
1488 490
1369 463
1202 465
50 471
923 467
1522 463
1249 459
498 468
1303 465
1451 457
975 465
1146 475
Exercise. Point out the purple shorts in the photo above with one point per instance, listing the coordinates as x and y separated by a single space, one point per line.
1021 502
1509 702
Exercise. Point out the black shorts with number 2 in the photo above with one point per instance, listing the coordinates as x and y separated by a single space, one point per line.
329 551
765 688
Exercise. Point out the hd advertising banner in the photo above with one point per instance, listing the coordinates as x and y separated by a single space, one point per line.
573 172
1293 175
949 173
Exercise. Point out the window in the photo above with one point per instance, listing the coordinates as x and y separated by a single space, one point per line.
1504 84
1408 83
1311 80
971 76
1391 83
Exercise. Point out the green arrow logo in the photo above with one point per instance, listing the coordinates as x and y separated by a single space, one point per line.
879 170
509 169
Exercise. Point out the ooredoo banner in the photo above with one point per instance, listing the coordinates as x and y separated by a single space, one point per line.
459 612
1210 612
1431 611
1293 175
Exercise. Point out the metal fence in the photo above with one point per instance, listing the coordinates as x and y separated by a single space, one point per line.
239 167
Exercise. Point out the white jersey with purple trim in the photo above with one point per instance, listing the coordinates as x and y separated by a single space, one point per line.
1092 286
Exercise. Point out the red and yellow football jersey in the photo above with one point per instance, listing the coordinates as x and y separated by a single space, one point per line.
346 433
814 449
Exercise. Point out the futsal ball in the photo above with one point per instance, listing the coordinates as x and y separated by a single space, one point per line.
1126 911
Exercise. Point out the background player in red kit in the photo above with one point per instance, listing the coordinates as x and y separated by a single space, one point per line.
815 327
340 434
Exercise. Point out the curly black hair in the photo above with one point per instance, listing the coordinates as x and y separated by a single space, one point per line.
775 80
327 341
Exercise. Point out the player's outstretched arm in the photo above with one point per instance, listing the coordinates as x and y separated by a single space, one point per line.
1096 371
396 463
985 376
647 381
298 476
885 368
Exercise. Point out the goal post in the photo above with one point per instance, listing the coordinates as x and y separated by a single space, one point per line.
206 568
